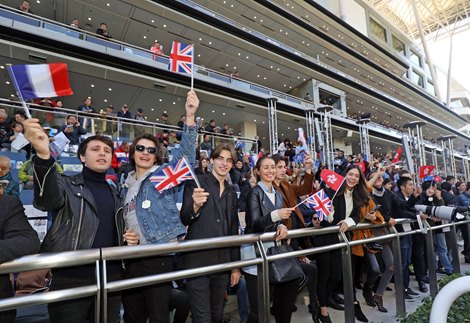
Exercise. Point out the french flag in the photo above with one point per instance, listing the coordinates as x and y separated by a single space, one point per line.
41 80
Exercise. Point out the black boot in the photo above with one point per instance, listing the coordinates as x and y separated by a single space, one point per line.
379 301
333 304
367 293
314 309
358 313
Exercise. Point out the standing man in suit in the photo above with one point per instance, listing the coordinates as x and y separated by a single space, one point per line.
211 211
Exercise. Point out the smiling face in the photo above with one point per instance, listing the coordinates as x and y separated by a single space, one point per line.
352 178
222 164
143 159
98 156
267 170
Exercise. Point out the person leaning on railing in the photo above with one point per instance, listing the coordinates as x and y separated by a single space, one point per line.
17 239
84 215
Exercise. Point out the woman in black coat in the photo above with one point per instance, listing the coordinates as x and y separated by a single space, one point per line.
264 213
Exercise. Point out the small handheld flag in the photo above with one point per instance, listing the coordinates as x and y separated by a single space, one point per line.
40 81
332 179
182 59
172 175
396 158
425 171
321 203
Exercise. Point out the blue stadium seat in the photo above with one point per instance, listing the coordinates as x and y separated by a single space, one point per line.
70 165
17 160
26 197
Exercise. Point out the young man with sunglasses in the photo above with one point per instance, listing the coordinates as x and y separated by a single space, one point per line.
155 217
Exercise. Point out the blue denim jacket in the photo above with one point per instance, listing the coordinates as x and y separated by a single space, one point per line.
463 199
161 222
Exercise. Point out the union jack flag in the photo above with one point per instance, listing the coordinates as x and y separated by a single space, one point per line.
321 203
172 175
181 58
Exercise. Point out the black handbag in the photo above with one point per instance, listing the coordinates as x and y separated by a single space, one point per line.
283 270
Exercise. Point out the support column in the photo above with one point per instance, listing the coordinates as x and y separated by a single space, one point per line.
310 119
324 134
417 147
364 137
272 117
448 157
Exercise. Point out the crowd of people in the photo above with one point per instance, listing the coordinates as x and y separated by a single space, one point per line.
113 202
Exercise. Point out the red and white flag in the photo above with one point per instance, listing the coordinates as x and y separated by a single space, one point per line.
332 179
396 158
181 58
425 171
40 80
172 175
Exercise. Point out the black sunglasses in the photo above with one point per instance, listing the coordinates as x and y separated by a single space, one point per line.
150 150
315 219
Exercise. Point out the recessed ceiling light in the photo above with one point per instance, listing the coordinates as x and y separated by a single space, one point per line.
160 100
174 102
200 39
110 89
152 109
89 18
7 82
164 25
223 113
92 85
2 67
105 100
210 43
152 21
38 1
164 111
198 55
254 120
108 5
145 37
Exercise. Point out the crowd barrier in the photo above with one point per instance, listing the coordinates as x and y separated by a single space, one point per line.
100 257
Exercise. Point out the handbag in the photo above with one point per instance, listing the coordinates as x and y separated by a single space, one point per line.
283 270
373 247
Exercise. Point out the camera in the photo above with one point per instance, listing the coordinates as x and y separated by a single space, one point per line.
444 212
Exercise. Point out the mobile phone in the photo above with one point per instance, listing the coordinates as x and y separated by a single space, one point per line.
377 206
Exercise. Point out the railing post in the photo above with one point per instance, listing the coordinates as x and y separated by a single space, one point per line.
348 288
398 273
99 290
431 259
454 249
263 286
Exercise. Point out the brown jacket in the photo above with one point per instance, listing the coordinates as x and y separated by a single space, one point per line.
358 250
290 193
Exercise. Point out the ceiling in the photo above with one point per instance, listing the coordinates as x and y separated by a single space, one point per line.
216 51
437 16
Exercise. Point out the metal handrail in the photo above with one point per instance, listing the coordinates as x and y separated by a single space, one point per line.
101 256
444 299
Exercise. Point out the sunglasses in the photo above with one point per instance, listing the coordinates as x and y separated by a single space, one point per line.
315 219
150 150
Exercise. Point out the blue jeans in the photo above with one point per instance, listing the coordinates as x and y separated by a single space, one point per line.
405 246
441 249
242 300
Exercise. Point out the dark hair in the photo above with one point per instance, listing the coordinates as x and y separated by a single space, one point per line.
21 113
84 145
446 186
218 149
402 181
360 194
449 177
278 158
150 137
199 165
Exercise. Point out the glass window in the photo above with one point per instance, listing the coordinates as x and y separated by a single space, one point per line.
415 58
431 89
378 30
329 98
398 45
416 78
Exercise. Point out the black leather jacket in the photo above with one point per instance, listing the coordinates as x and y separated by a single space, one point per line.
258 211
75 220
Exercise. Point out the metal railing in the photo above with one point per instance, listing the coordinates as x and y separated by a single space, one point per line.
102 287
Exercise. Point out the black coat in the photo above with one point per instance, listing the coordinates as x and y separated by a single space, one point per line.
258 211
75 219
208 224
17 238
